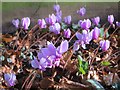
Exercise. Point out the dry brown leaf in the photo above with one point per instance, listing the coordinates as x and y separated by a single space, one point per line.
46 82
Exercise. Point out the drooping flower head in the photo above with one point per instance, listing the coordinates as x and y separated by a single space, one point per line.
25 22
67 19
67 33
105 44
82 11
118 24
96 20
95 33
16 22
110 19
42 23
55 28
85 24
56 8
51 20
10 79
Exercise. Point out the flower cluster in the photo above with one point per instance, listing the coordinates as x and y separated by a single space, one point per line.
50 56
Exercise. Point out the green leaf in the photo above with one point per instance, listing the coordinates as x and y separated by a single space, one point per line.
1 45
82 65
101 32
105 63
75 26
64 26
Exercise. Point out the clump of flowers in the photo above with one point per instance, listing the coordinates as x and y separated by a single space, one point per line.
56 50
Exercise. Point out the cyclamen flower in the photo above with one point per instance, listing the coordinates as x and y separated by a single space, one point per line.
25 22
95 33
96 20
67 19
51 20
110 19
10 79
50 56
83 39
55 28
81 11
56 8
118 24
59 16
42 23
67 33
85 24
15 22
105 44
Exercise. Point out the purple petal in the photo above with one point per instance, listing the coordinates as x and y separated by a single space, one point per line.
96 33
79 36
82 11
76 45
96 20
42 23
63 47
110 19
25 22
15 22
45 51
67 33
105 44
52 48
35 63
56 8
118 24
67 19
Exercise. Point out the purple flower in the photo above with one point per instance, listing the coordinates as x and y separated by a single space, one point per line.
76 45
51 20
81 11
85 24
50 56
42 23
67 19
96 20
110 19
40 64
118 24
15 22
56 8
59 16
105 44
95 33
25 22
59 13
79 22
10 79
83 39
67 33
55 28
